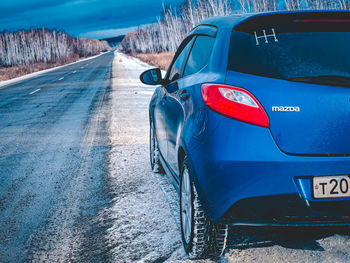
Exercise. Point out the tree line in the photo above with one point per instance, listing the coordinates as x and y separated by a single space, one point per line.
43 45
175 23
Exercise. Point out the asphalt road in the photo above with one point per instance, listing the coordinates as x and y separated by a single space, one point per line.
53 147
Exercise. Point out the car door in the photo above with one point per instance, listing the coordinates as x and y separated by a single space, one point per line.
179 94
160 122
171 86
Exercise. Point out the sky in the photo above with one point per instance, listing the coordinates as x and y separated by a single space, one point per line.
82 18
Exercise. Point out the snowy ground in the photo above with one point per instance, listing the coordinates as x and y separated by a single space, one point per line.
143 213
144 227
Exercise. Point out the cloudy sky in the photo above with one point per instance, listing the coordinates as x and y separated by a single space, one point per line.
84 18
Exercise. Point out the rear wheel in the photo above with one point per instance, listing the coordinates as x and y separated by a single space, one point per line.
154 151
201 237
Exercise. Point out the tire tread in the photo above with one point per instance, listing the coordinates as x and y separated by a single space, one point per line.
208 238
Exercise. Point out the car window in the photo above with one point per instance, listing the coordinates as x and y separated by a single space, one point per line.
308 51
199 55
176 70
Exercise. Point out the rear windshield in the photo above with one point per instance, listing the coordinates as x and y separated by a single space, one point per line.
305 48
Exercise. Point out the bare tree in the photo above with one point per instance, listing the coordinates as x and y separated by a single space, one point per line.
43 45
173 26
175 23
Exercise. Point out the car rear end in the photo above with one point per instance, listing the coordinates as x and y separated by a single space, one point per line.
280 153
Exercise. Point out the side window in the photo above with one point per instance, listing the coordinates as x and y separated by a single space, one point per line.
177 67
199 55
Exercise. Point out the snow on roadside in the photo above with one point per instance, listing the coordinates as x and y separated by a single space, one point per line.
143 229
144 206
37 73
291 245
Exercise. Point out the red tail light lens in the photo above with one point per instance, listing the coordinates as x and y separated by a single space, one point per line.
235 103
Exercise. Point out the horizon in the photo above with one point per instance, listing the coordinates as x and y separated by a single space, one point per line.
97 19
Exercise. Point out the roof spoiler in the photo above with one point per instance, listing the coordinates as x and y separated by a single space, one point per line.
268 19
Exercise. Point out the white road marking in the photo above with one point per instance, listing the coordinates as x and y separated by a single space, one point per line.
14 80
34 91
74 71
61 78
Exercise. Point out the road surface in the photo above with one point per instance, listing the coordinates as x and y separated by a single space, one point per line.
76 185
53 146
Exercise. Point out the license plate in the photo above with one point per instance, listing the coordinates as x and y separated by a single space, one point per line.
331 186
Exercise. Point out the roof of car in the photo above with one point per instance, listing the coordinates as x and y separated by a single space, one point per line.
236 19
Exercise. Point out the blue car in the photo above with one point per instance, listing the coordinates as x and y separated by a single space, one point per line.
252 124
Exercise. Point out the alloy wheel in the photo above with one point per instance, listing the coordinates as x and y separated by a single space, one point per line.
186 205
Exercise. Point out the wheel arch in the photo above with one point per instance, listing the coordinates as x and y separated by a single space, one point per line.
182 155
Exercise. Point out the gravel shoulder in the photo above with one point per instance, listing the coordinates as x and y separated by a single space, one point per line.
143 226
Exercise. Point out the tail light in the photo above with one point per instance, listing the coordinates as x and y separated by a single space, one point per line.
235 103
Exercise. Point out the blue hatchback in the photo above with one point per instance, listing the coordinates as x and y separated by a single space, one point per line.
252 124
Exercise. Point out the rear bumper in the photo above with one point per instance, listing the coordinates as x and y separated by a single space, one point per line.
293 222
243 178
287 210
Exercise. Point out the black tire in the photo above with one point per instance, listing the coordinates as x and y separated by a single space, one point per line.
207 239
156 164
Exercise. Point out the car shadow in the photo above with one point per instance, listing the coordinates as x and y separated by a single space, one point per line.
288 237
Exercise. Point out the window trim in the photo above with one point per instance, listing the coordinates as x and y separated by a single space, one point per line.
205 29
178 52
189 53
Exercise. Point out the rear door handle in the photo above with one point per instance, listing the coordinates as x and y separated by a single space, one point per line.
163 101
184 95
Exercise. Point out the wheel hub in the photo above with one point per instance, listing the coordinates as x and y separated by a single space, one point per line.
186 205
152 146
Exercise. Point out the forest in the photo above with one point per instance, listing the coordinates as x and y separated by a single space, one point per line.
176 22
44 45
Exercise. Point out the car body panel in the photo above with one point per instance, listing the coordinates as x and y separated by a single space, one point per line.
160 121
249 164
246 174
319 128
174 116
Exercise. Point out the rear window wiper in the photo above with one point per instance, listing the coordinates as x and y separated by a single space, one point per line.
333 80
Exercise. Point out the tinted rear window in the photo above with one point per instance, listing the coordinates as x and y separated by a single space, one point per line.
199 55
303 48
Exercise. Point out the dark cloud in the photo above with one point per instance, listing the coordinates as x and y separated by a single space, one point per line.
80 17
